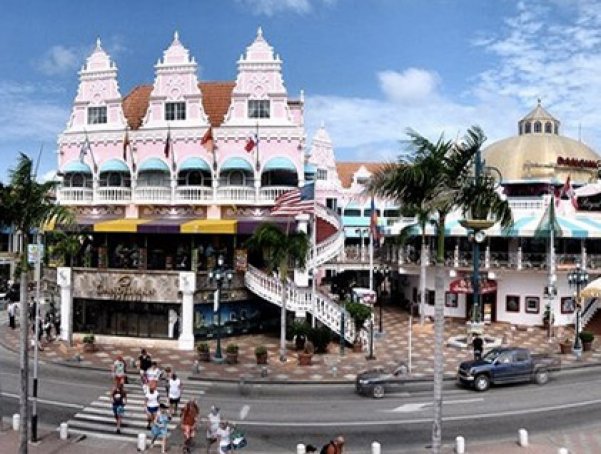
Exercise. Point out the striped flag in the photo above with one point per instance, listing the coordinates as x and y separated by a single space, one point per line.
373 222
168 144
295 202
251 142
125 145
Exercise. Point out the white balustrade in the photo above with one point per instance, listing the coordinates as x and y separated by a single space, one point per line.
269 194
191 194
236 194
153 194
527 204
113 195
67 196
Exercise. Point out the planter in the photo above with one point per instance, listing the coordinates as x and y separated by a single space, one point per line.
204 356
231 358
587 346
357 347
89 348
304 359
566 348
261 359
299 341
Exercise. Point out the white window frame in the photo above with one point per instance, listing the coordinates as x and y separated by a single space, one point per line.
178 112
97 115
259 108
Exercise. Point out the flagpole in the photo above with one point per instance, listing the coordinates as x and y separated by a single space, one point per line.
314 280
371 259
258 164
552 276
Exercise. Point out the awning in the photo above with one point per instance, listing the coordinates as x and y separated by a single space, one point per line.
114 165
77 167
310 168
120 225
195 164
248 226
236 164
153 165
209 226
279 163
161 226
464 285
592 290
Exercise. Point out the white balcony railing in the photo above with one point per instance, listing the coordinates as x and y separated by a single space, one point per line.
153 194
527 204
271 193
236 194
191 194
74 195
113 195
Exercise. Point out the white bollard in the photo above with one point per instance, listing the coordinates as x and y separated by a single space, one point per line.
376 448
141 442
64 431
300 449
460 445
16 421
563 451
523 438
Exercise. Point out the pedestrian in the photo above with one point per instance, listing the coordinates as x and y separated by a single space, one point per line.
12 310
335 446
119 370
160 429
189 420
213 421
151 402
224 437
119 398
144 363
47 328
174 393
56 321
164 377
477 345
32 309
153 373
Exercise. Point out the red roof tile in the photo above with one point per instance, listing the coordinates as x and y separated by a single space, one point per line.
346 170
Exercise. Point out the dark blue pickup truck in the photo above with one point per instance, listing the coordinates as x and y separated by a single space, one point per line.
507 365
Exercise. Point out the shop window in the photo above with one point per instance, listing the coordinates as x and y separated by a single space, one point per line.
175 111
532 304
512 303
258 108
97 115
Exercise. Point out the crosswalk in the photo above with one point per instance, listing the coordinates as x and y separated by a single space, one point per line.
97 420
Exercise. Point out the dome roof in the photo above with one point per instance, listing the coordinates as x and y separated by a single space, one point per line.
540 153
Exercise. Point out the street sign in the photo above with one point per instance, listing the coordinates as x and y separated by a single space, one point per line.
35 252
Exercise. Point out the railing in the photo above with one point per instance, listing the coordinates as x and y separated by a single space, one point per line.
236 194
329 248
153 194
589 311
115 195
66 196
527 204
271 193
190 194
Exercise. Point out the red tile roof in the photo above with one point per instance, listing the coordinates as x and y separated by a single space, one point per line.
216 99
346 170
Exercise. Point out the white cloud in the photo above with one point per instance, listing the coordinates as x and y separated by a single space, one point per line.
409 86
50 175
273 7
59 60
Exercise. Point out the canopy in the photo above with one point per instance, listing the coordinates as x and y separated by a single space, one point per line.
77 167
114 165
236 164
153 165
279 163
592 290
195 164
310 168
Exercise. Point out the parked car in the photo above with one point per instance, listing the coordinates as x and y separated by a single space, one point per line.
507 365
379 381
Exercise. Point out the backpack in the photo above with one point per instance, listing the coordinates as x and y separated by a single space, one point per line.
324 449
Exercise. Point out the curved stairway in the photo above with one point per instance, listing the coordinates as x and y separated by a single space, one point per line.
330 242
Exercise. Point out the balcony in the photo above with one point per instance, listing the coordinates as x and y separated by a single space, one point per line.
524 204
153 195
235 194
76 196
193 194
271 193
113 195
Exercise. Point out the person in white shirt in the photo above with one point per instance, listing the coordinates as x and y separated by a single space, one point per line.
224 435
153 373
12 311
175 393
213 421
151 401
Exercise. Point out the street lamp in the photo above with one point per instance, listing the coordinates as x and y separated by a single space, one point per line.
383 272
577 278
219 274
361 233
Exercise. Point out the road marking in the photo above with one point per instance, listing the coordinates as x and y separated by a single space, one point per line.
418 406
45 401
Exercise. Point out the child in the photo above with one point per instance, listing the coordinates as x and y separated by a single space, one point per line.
159 428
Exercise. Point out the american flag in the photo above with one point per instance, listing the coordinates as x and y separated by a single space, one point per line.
295 202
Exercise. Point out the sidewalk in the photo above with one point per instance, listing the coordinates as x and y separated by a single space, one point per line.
389 349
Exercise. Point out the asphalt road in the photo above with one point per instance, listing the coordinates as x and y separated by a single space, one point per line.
280 416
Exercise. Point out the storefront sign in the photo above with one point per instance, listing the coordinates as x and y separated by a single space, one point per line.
464 285
578 163
125 289
589 203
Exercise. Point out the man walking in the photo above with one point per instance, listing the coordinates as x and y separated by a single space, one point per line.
12 310
477 345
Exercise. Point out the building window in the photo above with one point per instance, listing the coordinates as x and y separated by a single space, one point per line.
322 174
532 304
367 213
512 303
538 127
97 115
236 178
361 180
394 213
331 203
175 111
352 213
556 129
258 109
528 128
451 300
430 297
548 127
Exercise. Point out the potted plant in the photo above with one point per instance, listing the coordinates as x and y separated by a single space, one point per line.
587 338
320 337
204 351
299 331
88 343
231 352
359 312
261 354
305 357
565 345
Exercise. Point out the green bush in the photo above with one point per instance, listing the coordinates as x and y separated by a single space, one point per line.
320 336
260 350
202 347
359 312
586 336
231 348
89 339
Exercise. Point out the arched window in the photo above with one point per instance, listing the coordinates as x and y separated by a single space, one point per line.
236 178
528 128
548 127
114 179
77 180
194 178
538 127
556 129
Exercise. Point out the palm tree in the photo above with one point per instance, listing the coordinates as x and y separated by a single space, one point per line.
66 246
437 177
27 205
280 250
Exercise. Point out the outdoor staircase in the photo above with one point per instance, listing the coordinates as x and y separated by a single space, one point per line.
591 318
330 242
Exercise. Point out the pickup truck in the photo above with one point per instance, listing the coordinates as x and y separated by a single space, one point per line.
376 382
507 365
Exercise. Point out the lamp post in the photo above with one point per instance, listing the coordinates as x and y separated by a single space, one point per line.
577 278
361 233
342 325
219 274
383 272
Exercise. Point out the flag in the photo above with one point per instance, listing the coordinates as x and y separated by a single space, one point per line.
295 202
251 143
207 140
168 144
568 191
373 222
125 145
85 148
548 222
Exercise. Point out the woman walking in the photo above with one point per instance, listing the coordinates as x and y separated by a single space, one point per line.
119 371
159 428
175 393
151 401
189 419
119 399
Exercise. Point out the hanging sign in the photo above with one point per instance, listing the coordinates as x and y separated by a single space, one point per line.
464 285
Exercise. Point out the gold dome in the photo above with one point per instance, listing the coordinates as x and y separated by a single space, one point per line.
540 153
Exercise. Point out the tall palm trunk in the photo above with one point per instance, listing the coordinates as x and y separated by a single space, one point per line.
422 279
283 322
23 352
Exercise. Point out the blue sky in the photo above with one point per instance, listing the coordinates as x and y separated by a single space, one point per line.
369 68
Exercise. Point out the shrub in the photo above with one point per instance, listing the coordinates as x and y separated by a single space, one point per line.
231 348
586 336
202 347
320 337
260 350
88 339
359 312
